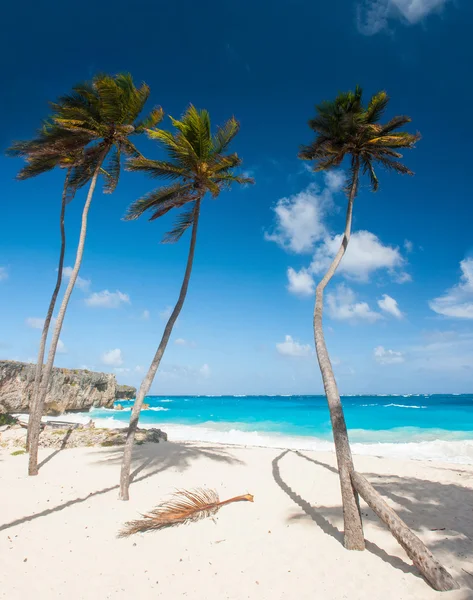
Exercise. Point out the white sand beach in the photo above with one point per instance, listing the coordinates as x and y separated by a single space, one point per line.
58 530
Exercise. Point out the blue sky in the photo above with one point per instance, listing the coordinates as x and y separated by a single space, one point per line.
398 316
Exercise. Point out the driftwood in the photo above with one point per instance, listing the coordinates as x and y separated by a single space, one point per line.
53 424
438 577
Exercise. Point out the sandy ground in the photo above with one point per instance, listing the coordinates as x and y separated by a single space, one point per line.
58 530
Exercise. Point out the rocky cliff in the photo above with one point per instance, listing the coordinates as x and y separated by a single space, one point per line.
125 392
69 389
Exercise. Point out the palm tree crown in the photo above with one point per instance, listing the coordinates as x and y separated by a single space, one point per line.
345 126
106 110
86 124
196 165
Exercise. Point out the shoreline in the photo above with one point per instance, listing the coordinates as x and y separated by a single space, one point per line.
450 451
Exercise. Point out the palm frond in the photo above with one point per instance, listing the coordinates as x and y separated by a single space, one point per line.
112 171
163 198
150 122
376 107
368 168
225 135
182 223
37 166
395 123
156 168
184 507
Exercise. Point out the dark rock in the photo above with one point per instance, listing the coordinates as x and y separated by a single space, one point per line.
125 392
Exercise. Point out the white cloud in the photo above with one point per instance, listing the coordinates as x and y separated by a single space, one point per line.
335 180
457 301
387 357
299 219
166 313
300 227
373 15
444 351
408 246
145 315
35 322
61 347
112 358
82 284
390 306
106 299
205 371
342 305
3 273
183 373
183 342
292 348
300 282
365 254
139 369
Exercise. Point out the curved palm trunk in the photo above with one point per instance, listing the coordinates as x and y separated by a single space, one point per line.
52 304
35 423
148 380
354 539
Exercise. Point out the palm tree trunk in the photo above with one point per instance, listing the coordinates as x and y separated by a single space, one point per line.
35 423
353 527
438 577
52 304
148 380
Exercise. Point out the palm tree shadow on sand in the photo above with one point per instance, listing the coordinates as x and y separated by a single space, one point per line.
316 514
149 460
421 504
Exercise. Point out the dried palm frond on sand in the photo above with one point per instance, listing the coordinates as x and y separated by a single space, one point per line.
185 506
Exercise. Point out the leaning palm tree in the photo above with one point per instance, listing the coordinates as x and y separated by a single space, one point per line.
197 165
106 110
347 128
50 149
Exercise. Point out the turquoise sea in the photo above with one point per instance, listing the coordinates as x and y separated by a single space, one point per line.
438 427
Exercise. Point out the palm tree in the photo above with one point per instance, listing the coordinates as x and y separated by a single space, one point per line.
49 150
106 110
196 165
346 128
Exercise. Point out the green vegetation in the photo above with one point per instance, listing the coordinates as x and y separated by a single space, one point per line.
18 452
6 419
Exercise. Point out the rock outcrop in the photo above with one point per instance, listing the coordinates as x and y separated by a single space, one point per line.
125 392
69 389
64 435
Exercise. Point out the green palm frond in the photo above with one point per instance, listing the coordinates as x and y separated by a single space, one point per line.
181 224
156 168
36 166
376 107
345 127
150 122
195 163
225 135
163 198
113 171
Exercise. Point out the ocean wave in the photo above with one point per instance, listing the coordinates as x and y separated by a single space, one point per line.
402 443
405 406
375 404
157 408
166 400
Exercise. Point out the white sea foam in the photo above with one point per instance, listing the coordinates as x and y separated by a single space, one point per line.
452 449
166 400
405 406
158 408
